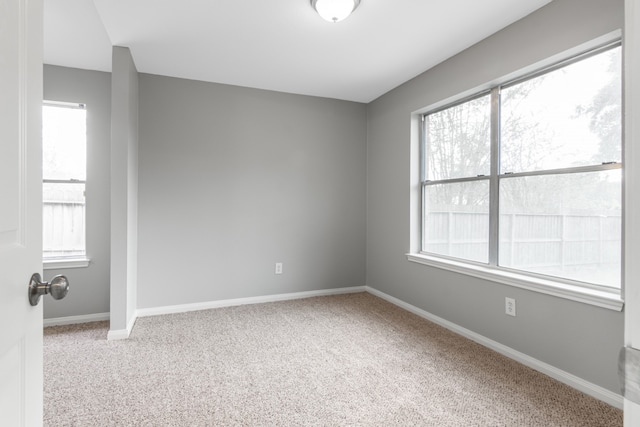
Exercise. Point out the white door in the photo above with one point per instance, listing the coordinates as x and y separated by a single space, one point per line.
20 211
632 192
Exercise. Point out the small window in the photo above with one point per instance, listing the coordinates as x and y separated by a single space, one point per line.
64 158
528 176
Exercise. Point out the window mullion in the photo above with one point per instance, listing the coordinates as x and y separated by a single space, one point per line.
423 149
494 185
423 177
64 181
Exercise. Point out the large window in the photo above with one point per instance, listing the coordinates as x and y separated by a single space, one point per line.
527 176
64 149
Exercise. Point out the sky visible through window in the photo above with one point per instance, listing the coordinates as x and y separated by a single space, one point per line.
64 135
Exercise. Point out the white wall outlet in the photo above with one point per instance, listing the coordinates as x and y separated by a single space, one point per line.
278 268
510 306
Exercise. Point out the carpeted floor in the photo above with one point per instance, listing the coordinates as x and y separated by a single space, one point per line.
348 360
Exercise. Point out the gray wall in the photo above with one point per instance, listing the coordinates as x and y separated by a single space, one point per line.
124 189
578 338
233 180
89 292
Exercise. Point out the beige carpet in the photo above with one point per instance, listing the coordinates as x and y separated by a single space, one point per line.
349 360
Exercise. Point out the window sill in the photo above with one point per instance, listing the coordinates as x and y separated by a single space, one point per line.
611 300
55 264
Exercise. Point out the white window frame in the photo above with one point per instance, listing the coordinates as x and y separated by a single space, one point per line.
83 261
610 298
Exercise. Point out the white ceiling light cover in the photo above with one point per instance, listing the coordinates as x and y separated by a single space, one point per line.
335 10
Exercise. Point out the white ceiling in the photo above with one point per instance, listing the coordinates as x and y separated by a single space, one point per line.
280 45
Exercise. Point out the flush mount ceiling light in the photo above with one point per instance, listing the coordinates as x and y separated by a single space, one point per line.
334 10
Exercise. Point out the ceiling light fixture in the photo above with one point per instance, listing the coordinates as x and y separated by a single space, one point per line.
334 10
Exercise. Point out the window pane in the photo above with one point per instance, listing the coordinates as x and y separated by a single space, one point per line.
64 143
458 140
63 220
456 220
568 117
566 226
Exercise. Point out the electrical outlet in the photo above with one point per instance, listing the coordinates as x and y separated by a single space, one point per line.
510 306
278 268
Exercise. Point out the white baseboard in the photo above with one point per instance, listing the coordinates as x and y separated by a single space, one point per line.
571 380
183 308
71 320
122 334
